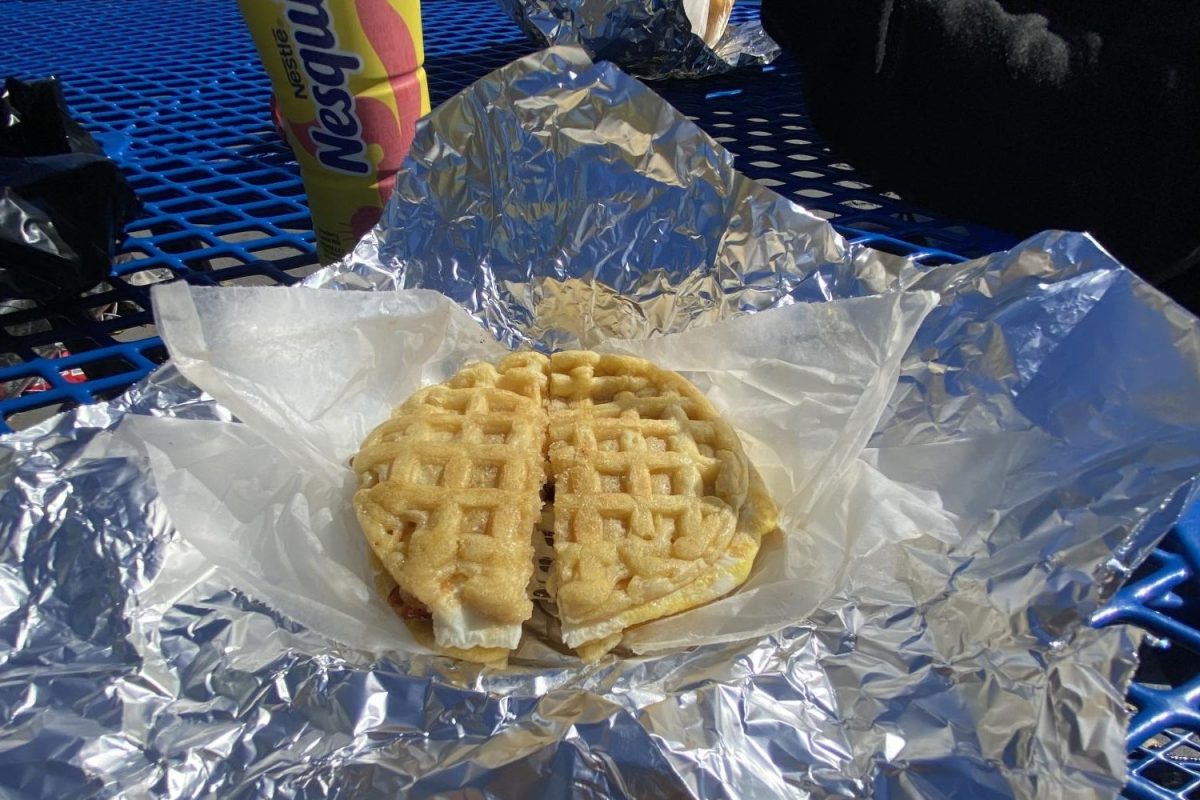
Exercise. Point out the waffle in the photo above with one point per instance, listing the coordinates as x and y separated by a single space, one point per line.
449 493
656 509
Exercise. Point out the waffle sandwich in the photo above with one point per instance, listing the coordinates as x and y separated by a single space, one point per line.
653 505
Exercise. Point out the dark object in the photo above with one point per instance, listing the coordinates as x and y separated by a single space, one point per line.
1020 114
63 204
34 121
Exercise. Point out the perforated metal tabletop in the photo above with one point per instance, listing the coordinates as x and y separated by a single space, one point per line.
186 115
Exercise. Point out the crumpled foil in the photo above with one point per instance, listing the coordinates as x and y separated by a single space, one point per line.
652 39
552 199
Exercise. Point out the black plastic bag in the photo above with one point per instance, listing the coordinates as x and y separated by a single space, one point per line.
34 121
63 204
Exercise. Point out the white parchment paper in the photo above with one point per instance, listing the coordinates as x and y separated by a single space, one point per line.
308 372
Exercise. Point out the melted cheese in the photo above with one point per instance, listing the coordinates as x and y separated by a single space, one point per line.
455 625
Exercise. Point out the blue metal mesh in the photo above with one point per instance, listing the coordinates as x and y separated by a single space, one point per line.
188 121
1163 598
187 118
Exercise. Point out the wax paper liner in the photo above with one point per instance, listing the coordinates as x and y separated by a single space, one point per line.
959 662
804 384
649 38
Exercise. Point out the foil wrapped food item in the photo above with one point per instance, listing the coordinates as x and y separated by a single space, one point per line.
649 38
1041 432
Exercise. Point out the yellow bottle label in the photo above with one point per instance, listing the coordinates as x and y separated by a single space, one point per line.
349 88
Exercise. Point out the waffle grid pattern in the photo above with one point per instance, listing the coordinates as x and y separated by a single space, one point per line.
633 460
449 490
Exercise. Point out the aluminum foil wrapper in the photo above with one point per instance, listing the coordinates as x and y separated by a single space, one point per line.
559 202
652 39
